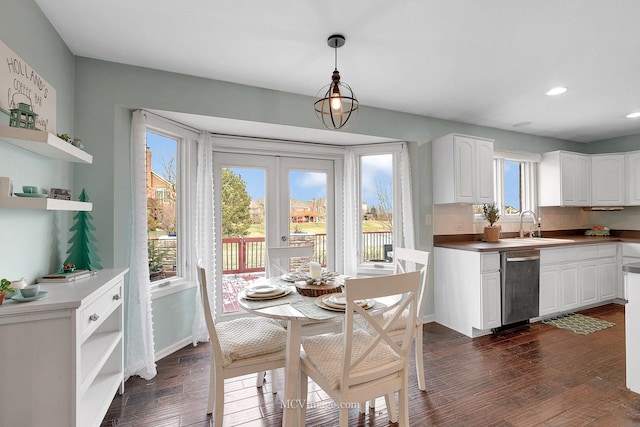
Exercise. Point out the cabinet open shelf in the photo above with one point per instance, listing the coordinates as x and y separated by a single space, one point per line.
44 204
45 144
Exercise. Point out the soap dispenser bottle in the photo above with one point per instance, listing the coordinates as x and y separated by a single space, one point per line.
539 233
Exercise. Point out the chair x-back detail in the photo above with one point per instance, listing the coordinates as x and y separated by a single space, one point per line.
420 261
238 347
277 256
355 366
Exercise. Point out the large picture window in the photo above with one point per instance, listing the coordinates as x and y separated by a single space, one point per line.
168 174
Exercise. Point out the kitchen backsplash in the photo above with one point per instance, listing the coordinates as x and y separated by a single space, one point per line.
458 219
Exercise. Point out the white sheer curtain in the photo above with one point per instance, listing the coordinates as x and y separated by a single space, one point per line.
406 199
139 352
351 213
204 229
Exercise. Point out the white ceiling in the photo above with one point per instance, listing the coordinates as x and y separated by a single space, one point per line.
480 62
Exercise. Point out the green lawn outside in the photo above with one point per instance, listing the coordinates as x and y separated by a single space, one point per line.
257 230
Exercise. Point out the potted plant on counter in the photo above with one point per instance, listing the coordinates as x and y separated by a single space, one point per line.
5 289
491 213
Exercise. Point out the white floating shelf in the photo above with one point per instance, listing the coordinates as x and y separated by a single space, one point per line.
44 204
44 143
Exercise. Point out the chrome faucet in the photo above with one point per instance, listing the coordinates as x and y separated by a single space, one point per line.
533 215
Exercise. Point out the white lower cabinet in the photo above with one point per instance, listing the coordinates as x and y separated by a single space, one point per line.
607 273
467 290
588 283
491 313
576 277
63 354
549 290
568 274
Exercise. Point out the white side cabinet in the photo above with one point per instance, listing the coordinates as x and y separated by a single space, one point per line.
564 179
62 355
462 169
467 290
630 254
607 179
632 178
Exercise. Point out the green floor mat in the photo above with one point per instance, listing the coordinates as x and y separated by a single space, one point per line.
578 323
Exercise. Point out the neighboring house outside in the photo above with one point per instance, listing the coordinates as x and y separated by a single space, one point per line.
160 200
314 210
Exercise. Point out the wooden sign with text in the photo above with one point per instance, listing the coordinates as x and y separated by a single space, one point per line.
21 83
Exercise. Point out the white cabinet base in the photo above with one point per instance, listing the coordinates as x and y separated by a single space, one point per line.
66 366
632 331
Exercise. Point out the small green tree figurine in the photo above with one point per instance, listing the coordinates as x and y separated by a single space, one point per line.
83 252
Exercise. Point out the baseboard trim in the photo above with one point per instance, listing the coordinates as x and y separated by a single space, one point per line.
428 318
161 354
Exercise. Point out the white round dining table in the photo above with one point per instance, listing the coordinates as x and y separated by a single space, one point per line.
295 318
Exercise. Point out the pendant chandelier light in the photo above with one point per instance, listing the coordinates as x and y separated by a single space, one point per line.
336 104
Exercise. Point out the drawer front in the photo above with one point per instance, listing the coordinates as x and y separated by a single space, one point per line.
588 252
94 314
631 249
568 255
490 262
608 250
548 256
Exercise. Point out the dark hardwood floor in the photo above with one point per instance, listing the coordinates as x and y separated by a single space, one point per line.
537 375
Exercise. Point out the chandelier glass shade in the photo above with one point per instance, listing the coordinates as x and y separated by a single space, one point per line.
336 104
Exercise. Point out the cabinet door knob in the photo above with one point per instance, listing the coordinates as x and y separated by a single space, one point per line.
116 297
94 317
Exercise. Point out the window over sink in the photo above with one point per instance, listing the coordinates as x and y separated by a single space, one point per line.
515 178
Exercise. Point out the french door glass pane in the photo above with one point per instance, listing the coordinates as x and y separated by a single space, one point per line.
308 212
243 231
377 206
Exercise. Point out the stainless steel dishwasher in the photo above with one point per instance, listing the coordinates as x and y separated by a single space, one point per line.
520 271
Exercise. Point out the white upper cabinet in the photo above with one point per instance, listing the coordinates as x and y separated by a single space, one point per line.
632 173
607 179
564 179
462 169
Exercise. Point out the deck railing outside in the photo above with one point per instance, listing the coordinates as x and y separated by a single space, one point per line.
247 254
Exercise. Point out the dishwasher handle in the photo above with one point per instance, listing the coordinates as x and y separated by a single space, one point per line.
523 258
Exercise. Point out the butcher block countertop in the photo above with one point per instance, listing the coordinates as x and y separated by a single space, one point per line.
515 243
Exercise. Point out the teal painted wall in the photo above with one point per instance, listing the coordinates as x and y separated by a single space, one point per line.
106 93
95 100
35 242
615 145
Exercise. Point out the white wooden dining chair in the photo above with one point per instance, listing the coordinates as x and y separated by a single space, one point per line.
355 366
419 260
238 347
415 260
279 259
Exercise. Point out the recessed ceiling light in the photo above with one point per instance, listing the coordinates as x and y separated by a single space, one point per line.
556 91
633 115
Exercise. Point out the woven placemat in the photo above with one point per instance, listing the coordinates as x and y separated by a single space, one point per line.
578 323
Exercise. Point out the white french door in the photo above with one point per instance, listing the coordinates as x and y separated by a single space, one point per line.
264 201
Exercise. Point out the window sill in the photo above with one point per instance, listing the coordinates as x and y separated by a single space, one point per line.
375 268
171 287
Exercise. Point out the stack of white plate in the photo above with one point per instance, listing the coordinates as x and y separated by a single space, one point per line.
338 302
265 291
